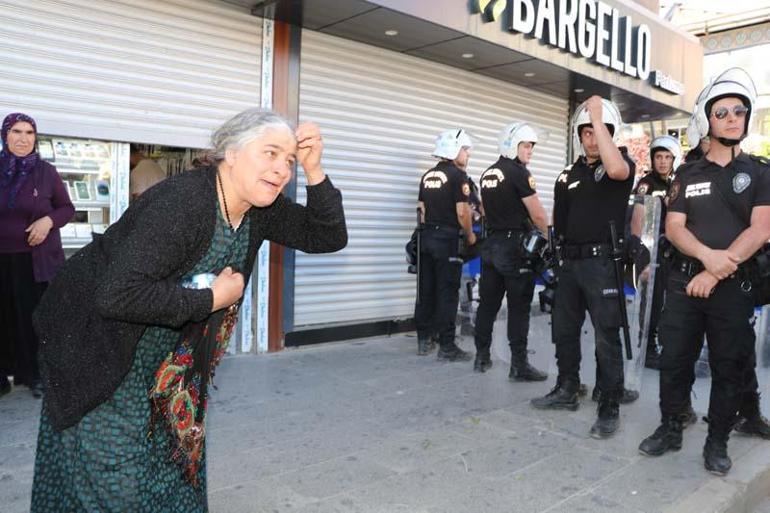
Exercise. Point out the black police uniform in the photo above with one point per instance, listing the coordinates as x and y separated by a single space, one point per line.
656 186
585 200
702 190
441 188
503 266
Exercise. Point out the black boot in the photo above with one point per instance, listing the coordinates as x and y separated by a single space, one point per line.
688 417
627 397
422 346
450 352
5 385
668 437
561 397
482 362
715 457
751 422
521 370
608 419
37 389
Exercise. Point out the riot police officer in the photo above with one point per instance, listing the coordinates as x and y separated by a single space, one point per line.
718 217
512 207
666 156
443 200
587 197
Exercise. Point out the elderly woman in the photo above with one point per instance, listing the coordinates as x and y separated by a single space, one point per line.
34 204
128 343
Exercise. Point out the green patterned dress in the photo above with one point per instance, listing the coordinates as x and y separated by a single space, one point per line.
107 462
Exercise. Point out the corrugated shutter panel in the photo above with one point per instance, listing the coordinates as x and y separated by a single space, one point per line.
161 72
379 112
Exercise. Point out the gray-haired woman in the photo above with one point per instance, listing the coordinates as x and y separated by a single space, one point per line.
128 344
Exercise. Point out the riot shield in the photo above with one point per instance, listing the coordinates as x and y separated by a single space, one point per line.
643 236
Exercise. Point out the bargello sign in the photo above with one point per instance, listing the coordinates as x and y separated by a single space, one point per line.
589 28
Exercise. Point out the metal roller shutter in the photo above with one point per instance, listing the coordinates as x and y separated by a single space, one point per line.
379 112
160 72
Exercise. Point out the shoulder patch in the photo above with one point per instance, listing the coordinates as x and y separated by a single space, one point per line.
643 188
759 158
532 184
466 189
563 177
673 192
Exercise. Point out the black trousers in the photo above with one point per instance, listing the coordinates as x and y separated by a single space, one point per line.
20 295
588 284
725 317
503 272
440 272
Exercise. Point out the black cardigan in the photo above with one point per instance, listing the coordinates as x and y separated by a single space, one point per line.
98 306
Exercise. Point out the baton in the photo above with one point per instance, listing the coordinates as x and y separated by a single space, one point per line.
419 248
617 257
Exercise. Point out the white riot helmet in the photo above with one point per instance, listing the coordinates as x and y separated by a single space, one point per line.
734 82
669 143
513 134
450 142
610 116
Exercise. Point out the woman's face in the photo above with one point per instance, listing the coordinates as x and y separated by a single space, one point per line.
21 139
262 168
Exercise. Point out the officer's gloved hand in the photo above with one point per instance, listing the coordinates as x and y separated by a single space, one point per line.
411 249
638 254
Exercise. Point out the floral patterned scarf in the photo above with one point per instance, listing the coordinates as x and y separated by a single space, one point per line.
179 396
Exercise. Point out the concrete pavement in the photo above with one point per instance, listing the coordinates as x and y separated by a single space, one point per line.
367 426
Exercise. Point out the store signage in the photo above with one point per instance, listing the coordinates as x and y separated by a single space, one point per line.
666 82
589 28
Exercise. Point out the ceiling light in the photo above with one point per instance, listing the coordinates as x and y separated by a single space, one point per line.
529 74
644 116
391 32
579 90
468 56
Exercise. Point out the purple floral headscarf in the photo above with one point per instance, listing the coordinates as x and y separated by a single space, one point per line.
14 170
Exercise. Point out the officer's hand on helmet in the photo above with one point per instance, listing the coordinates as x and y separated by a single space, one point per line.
309 149
720 262
594 108
702 285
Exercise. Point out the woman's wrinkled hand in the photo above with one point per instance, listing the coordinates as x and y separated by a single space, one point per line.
309 150
227 288
39 230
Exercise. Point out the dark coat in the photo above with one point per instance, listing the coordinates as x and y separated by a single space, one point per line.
96 309
43 194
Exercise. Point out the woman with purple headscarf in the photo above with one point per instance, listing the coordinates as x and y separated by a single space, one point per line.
34 204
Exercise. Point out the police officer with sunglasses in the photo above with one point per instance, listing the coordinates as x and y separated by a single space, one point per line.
718 218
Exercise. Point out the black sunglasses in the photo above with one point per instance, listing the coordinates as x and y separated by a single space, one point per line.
739 111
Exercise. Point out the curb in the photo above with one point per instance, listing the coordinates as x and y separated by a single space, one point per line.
747 484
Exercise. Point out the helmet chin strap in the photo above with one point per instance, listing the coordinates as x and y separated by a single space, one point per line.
729 142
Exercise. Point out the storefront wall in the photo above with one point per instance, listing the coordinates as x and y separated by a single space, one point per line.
158 72
380 112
